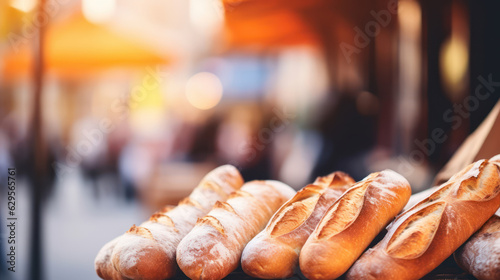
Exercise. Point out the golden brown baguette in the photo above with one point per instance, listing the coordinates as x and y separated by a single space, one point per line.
274 252
351 223
213 248
480 255
428 233
148 251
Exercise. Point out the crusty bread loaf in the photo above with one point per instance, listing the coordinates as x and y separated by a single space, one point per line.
351 223
213 248
104 266
428 233
480 255
274 252
148 251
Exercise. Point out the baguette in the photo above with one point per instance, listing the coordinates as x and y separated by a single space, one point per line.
428 233
213 248
351 223
103 266
480 256
148 251
274 252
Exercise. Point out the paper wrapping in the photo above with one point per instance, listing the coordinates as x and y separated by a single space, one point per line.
483 143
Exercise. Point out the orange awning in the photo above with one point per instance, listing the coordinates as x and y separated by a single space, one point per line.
76 46
268 23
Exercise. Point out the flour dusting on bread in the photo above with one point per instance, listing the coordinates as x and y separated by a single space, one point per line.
214 247
148 251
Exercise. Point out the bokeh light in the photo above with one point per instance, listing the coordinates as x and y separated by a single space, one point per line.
23 5
98 11
454 62
204 90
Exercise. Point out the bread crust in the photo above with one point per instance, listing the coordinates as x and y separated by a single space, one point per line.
103 265
213 248
429 232
351 223
147 251
480 255
274 252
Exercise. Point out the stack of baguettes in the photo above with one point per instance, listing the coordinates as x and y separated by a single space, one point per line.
323 231
429 232
148 251
214 247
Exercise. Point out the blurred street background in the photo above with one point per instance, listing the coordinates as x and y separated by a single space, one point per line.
110 109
